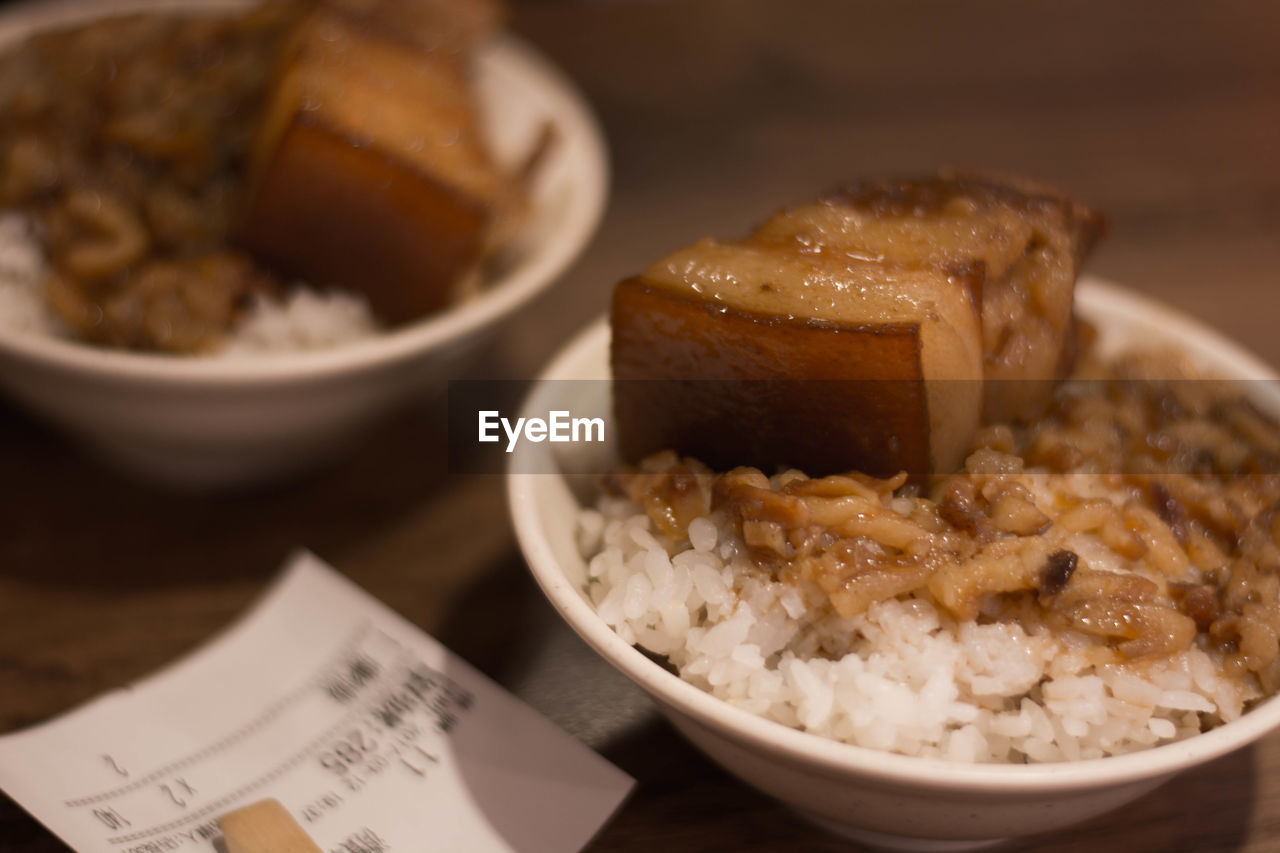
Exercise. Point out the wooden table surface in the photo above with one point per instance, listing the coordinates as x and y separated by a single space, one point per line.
1165 115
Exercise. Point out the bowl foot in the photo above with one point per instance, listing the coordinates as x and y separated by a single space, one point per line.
888 841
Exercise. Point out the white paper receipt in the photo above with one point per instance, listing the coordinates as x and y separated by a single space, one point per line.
372 734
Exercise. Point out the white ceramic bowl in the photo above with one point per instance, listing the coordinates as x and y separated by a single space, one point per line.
205 422
879 796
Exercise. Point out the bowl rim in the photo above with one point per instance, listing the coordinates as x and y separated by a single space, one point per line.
538 268
1100 299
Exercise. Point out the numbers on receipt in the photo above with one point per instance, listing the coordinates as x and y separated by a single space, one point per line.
413 707
389 710
346 753
178 792
111 818
354 759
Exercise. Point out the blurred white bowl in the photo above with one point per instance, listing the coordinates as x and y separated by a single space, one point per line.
882 797
206 422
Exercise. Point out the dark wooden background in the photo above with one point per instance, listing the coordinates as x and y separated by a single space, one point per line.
1166 115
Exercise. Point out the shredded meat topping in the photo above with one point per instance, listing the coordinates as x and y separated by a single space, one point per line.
1175 484
124 142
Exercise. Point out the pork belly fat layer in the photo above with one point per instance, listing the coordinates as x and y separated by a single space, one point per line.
739 353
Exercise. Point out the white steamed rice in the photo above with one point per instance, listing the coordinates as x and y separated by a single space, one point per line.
903 676
304 320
